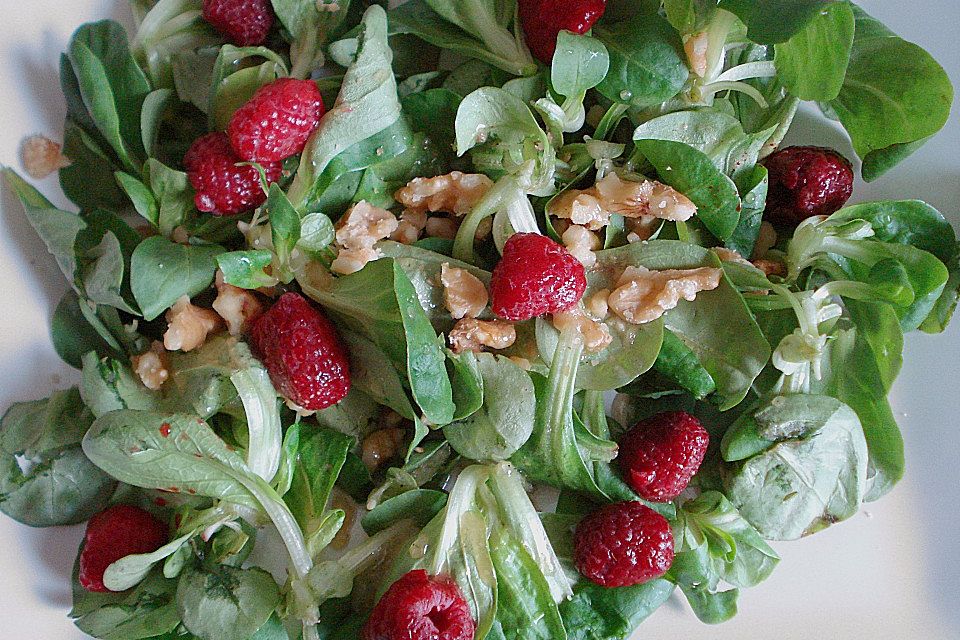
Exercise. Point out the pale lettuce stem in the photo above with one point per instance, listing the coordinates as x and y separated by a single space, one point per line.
488 205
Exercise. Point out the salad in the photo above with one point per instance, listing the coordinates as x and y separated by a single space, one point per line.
466 319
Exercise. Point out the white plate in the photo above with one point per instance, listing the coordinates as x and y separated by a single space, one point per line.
891 572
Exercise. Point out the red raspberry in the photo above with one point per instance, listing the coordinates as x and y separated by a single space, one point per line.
805 182
302 352
118 531
420 607
223 187
244 22
535 276
277 121
543 20
623 544
659 455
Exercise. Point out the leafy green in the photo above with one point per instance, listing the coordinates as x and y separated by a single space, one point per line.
220 601
599 613
367 105
311 25
894 96
163 271
381 302
813 63
717 326
504 421
773 21
473 29
646 61
144 612
692 173
45 479
112 87
810 478
72 335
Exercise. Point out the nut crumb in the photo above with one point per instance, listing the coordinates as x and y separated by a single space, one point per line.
41 156
464 294
152 367
596 335
357 232
238 307
188 326
471 334
380 446
442 228
582 243
455 193
643 296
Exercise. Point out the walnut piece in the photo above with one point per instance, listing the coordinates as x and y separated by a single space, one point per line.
765 241
412 223
41 156
238 307
597 304
581 208
643 296
455 193
442 228
188 326
771 267
152 367
596 335
695 46
729 255
464 294
357 232
380 446
592 207
581 243
471 334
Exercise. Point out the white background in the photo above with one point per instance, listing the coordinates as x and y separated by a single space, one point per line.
892 572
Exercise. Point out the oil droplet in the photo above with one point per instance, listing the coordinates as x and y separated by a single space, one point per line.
626 95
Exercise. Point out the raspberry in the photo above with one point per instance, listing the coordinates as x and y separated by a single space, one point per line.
116 532
659 455
277 121
535 276
623 544
302 352
543 20
805 182
223 187
420 607
244 22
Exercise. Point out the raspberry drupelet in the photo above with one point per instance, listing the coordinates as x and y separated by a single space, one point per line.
421 607
244 23
223 186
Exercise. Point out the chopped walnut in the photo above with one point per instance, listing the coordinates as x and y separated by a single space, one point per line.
581 243
695 46
771 267
643 296
642 228
581 208
442 228
592 207
464 294
471 334
357 232
765 241
596 335
523 363
729 255
41 156
483 229
152 367
380 446
647 198
188 326
180 235
238 307
455 193
412 224
597 304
